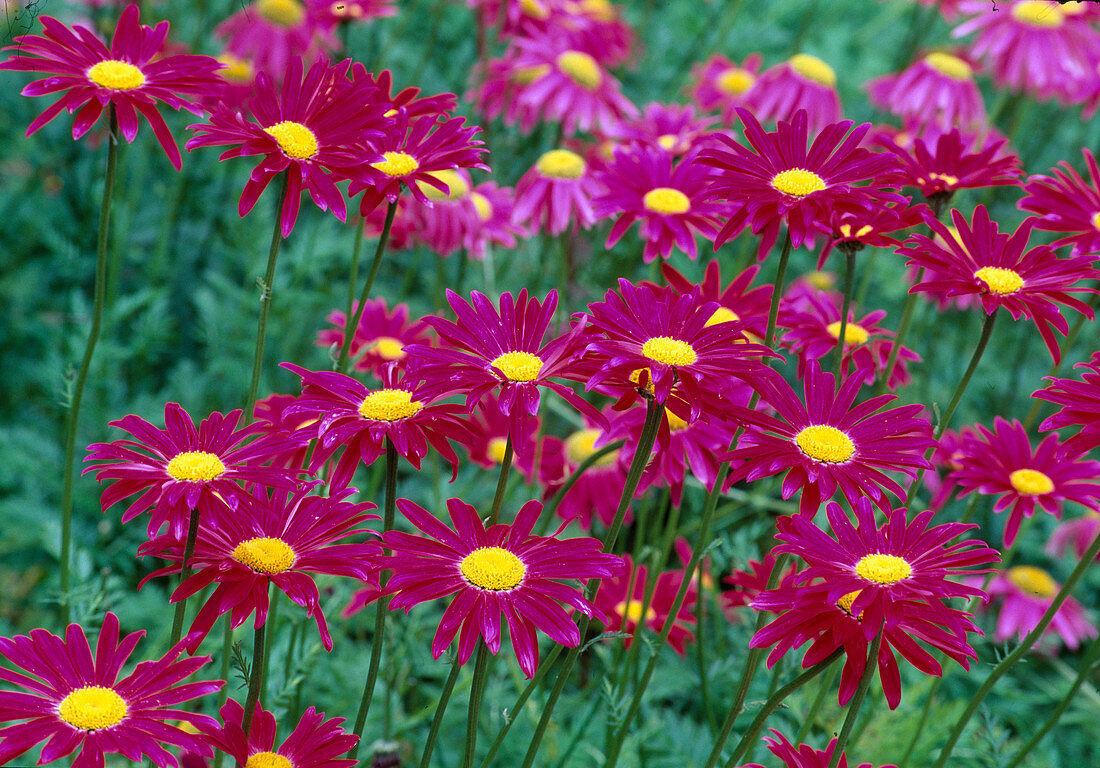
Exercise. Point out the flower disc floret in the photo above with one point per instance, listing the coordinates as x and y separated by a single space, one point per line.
265 554
1034 581
1038 13
295 139
396 163
666 200
826 444
813 68
798 182
457 186
854 333
195 466
389 405
92 707
735 81
561 164
268 760
518 366
581 68
1000 280
582 444
492 568
1031 482
285 13
116 75
669 351
883 569
949 65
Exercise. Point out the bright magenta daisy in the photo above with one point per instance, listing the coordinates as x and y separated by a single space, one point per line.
495 223
804 756
672 128
271 413
995 265
747 584
503 569
381 337
1003 463
131 76
1065 202
853 229
737 301
624 608
802 82
179 468
278 539
939 88
1080 401
721 85
408 98
271 33
490 429
595 494
73 698
314 743
1026 593
830 441
557 193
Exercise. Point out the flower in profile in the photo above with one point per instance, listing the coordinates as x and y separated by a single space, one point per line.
623 600
131 76
737 301
73 698
314 130
853 229
381 337
1080 401
1065 202
721 85
490 429
1002 462
271 33
671 201
445 224
939 88
994 265
179 468
1027 593
595 494
672 128
495 223
314 743
279 538
802 82
1074 535
747 584
557 192
804 756
490 571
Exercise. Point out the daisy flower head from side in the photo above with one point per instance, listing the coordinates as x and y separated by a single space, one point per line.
1066 203
556 194
801 83
1080 406
314 743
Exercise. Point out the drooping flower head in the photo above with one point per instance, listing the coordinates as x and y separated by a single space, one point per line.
1080 401
556 194
623 600
131 76
721 85
938 88
314 743
381 337
802 82
1026 593
1065 202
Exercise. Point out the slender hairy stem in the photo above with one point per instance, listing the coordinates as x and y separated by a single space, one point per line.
72 418
502 482
477 691
342 363
266 289
437 721
857 700
185 574
256 679
849 283
272 619
524 695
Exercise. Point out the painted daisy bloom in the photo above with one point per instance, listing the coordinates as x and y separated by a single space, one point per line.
131 76
994 265
737 301
489 431
830 442
595 494
671 201
409 98
503 569
73 698
1074 536
179 468
1065 202
804 756
856 228
624 610
445 224
778 180
939 87
747 584
721 85
271 33
1080 401
1003 463
501 81
314 743
381 337
1027 592
495 223
279 539
314 130
672 128
556 194
271 413
361 420
802 82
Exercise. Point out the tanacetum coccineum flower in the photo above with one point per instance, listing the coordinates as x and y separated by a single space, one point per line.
804 756
556 194
802 82
721 85
941 165
939 88
131 75
314 743
595 494
1080 401
271 33
1027 593
75 698
737 301
381 337
624 610
1066 203
503 569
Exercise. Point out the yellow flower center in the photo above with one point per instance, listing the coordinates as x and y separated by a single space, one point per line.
268 760
946 178
798 182
666 200
949 65
670 351
600 10
455 183
294 139
482 205
561 164
497 448
854 333
92 707
265 554
1000 281
631 610
388 348
237 70
846 231
813 68
116 75
528 75
675 423
722 315
492 568
581 68
195 466
534 9
580 445
822 281
285 13
883 569
389 405
826 444
1096 221
1031 482
636 379
1038 13
396 164
667 141
735 81
518 366
1034 581
845 602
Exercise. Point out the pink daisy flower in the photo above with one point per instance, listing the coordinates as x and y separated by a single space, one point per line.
939 87
953 165
737 301
131 76
501 82
1074 535
73 698
855 228
747 584
271 412
445 223
804 756
271 33
495 223
624 610
1080 401
721 85
314 743
489 431
408 98
1065 202
556 193
596 493
671 128
1027 592
802 82
945 459
503 569
381 337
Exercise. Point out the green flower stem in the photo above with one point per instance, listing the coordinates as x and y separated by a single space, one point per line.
868 275
272 618
555 501
1067 345
903 331
777 698
1009 661
437 721
256 678
353 322
777 290
353 279
849 283
810 717
72 418
857 700
928 701
185 574
382 606
502 482
477 691
524 695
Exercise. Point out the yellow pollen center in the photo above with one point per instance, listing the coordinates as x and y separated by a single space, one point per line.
675 423
561 164
396 164
600 10
1034 581
285 13
581 68
265 554
798 182
666 200
581 444
294 139
518 366
1031 482
722 315
949 65
670 351
388 348
496 449
826 444
823 281
237 70
455 183
268 760
116 75
482 205
492 568
389 405
534 9
1038 13
1096 221
946 178
999 280
195 466
813 68
883 569
631 610
845 602
847 231
92 707
853 333
528 75
667 141
735 81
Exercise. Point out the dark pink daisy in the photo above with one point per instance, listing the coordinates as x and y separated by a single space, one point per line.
271 33
1026 593
595 494
444 225
1065 202
381 337
939 87
272 414
804 756
802 82
495 223
623 600
503 569
490 429
131 75
1074 535
737 301
314 743
721 85
672 128
853 229
72 698
556 194
747 584
1080 401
